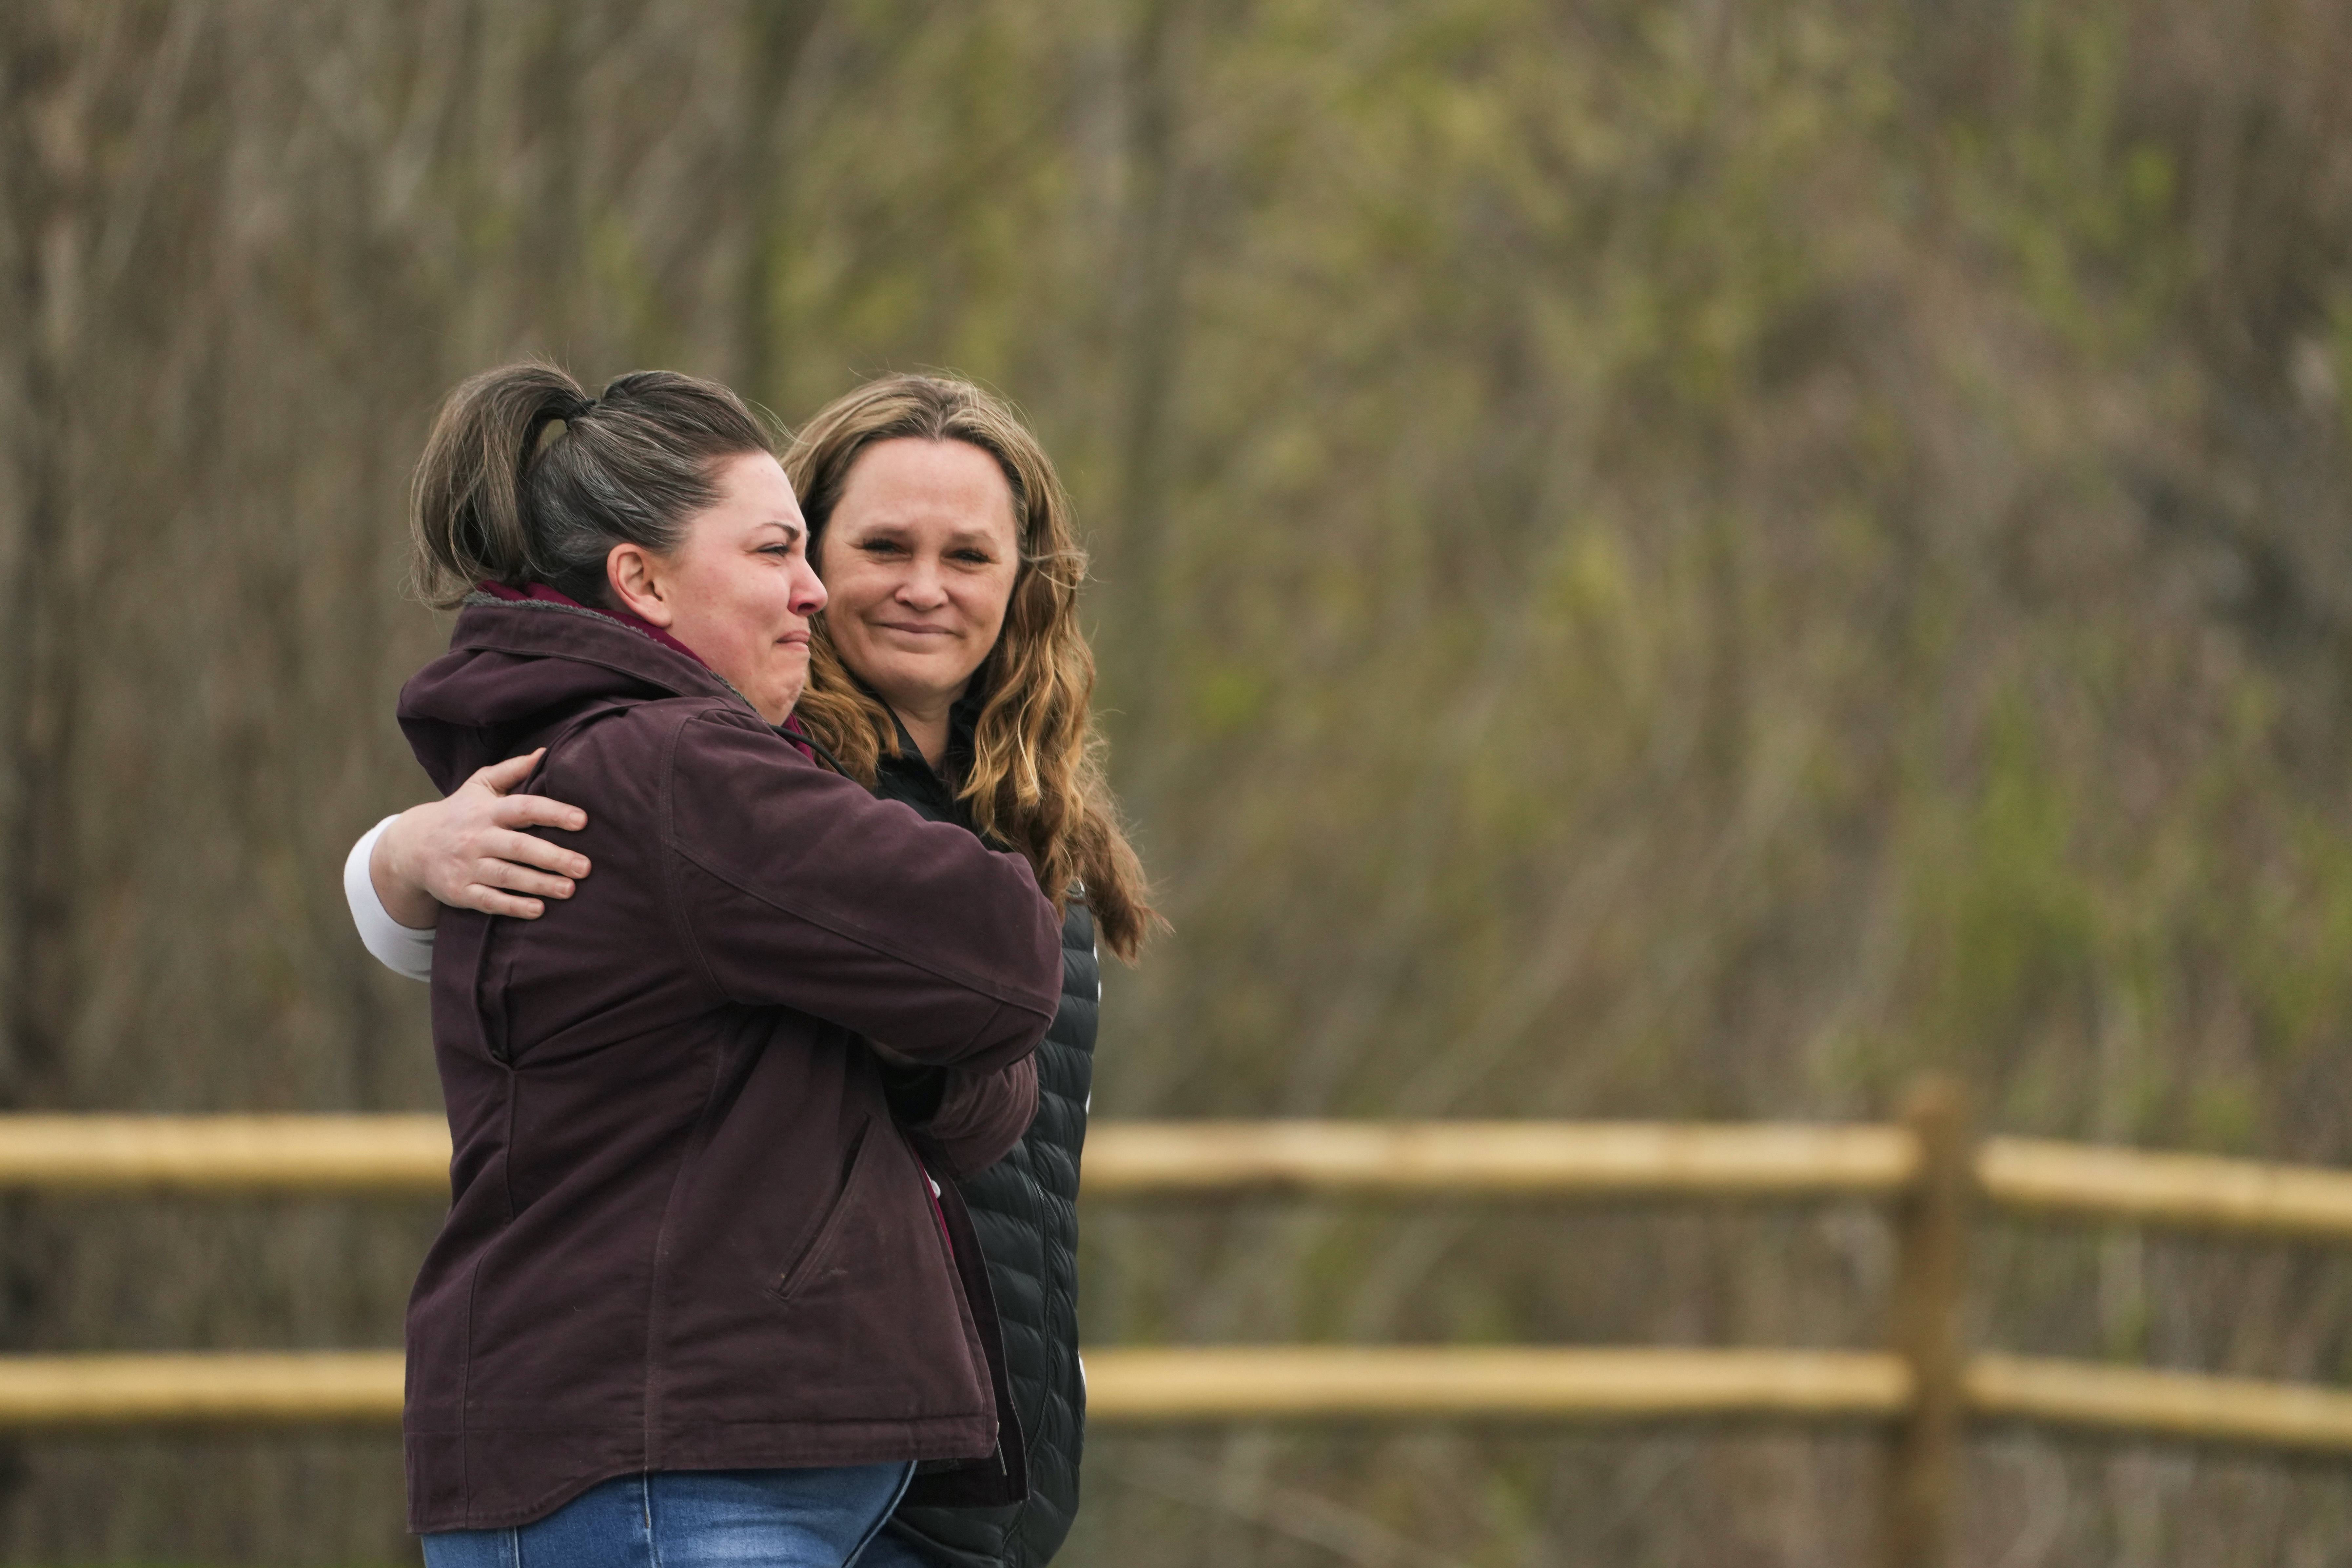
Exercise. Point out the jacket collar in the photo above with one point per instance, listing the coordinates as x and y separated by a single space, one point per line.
541 594
517 669
550 626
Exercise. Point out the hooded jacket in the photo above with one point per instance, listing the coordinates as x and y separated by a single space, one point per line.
685 1230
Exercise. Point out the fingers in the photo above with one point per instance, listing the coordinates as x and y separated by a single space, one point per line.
493 901
514 879
501 777
538 811
478 855
525 850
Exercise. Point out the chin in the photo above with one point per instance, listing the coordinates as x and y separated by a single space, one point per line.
775 703
935 674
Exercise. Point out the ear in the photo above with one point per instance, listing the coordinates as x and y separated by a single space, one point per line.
639 584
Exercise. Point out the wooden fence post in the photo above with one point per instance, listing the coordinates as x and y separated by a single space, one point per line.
1923 1457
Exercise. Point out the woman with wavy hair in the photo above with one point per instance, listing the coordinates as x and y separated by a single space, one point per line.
947 672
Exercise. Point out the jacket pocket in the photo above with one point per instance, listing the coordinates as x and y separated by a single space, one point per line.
822 1255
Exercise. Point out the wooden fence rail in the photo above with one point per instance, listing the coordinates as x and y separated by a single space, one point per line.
1921 1389
1554 1161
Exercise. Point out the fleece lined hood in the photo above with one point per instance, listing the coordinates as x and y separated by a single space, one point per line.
520 667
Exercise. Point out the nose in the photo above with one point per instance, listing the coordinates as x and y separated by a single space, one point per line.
919 588
808 590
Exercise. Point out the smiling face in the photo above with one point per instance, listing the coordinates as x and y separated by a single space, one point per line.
920 560
738 588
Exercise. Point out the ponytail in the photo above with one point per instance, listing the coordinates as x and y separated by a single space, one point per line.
497 499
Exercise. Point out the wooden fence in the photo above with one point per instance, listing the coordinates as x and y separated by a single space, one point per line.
1921 1387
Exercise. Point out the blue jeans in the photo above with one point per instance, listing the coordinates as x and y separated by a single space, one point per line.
891 1548
695 1519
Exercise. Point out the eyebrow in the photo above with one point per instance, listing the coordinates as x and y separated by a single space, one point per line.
960 536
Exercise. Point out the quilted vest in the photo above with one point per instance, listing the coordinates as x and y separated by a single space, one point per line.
1024 1208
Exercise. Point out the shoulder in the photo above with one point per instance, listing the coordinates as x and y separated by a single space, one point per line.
634 732
724 734
726 770
645 751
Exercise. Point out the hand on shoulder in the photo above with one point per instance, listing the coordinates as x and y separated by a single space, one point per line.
472 851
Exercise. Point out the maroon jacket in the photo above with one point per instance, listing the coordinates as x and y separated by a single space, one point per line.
685 1232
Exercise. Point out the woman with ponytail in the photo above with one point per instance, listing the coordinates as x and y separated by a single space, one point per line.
707 1291
949 673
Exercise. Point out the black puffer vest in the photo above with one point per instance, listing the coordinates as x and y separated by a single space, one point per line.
1024 1208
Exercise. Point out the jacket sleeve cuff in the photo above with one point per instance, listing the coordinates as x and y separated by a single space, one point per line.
979 1119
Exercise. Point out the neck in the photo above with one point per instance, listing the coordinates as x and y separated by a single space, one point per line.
929 727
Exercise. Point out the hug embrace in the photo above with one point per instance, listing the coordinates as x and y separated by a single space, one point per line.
761 916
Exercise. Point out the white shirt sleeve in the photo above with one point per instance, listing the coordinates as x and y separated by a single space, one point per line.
394 945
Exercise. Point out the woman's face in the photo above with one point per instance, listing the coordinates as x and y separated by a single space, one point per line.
737 589
920 560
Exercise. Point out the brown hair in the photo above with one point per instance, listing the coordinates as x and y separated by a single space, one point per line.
1036 780
497 500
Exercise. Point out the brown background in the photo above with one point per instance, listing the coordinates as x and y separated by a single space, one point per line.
1672 559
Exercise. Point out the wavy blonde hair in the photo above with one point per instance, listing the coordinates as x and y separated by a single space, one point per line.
1036 781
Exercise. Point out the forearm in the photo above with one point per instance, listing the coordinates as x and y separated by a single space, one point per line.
798 890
